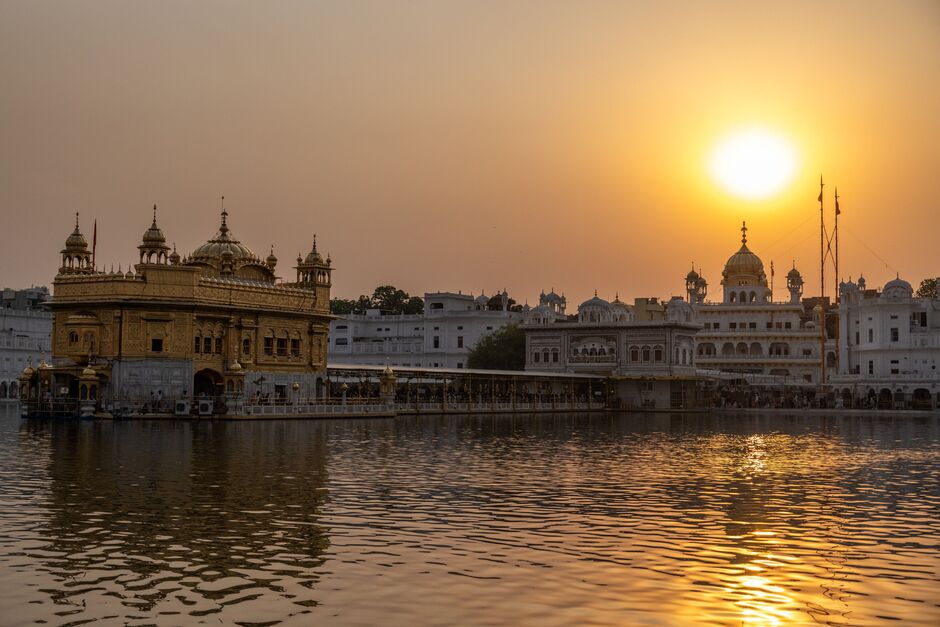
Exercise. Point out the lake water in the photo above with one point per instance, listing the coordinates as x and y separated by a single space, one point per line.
481 520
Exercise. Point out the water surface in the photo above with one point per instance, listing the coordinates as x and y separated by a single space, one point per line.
481 520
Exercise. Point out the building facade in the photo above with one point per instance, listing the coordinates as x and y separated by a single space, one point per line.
216 321
748 332
889 346
441 337
25 335
649 363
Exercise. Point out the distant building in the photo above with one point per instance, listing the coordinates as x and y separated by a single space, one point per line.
748 332
25 335
441 337
216 322
649 363
889 345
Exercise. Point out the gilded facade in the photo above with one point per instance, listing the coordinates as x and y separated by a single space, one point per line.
216 322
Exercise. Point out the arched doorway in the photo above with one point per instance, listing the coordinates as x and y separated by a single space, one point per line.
921 399
207 383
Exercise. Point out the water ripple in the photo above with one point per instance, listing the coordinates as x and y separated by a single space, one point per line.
548 520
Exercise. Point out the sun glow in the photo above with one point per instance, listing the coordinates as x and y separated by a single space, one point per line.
753 164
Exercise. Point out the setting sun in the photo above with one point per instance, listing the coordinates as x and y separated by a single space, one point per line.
753 164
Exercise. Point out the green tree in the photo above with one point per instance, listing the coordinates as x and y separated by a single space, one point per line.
389 299
342 306
927 289
363 303
495 303
503 349
414 305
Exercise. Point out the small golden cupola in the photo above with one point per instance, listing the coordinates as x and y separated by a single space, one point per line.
313 270
154 249
76 258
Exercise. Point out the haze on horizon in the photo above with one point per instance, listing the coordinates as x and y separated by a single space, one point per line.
467 146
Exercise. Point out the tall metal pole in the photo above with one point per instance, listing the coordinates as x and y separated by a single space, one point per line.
822 288
838 298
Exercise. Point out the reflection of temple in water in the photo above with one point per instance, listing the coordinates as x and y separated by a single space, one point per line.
218 502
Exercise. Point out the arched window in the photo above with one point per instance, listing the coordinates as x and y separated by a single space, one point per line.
732 297
753 297
536 356
218 345
197 344
73 337
3 389
658 353
207 344
14 389
555 356
545 355
634 353
743 297
646 353
741 348
246 346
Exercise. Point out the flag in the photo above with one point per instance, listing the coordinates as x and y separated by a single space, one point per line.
94 242
837 203
820 196
819 200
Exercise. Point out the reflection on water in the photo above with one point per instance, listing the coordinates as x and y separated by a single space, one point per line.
627 519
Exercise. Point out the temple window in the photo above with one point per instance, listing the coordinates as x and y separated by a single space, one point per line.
268 345
156 345
282 347
197 345
536 356
634 353
646 353
658 354
295 348
246 346
218 346
555 356
73 337
207 345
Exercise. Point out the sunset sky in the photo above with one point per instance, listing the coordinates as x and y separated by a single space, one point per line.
468 145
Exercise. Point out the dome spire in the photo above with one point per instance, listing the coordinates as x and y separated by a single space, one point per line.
744 233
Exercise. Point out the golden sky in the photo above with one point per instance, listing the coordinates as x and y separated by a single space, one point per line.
467 145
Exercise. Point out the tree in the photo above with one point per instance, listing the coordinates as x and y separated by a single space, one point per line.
495 303
389 298
342 306
363 303
503 349
414 305
927 289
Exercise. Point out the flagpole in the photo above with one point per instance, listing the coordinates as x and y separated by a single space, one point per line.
94 244
822 289
837 279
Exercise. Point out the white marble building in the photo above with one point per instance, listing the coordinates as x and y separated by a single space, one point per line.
889 345
649 363
441 337
750 333
25 335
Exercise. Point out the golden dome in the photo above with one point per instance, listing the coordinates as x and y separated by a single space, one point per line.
744 263
313 257
235 367
154 235
28 371
89 372
223 245
76 241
